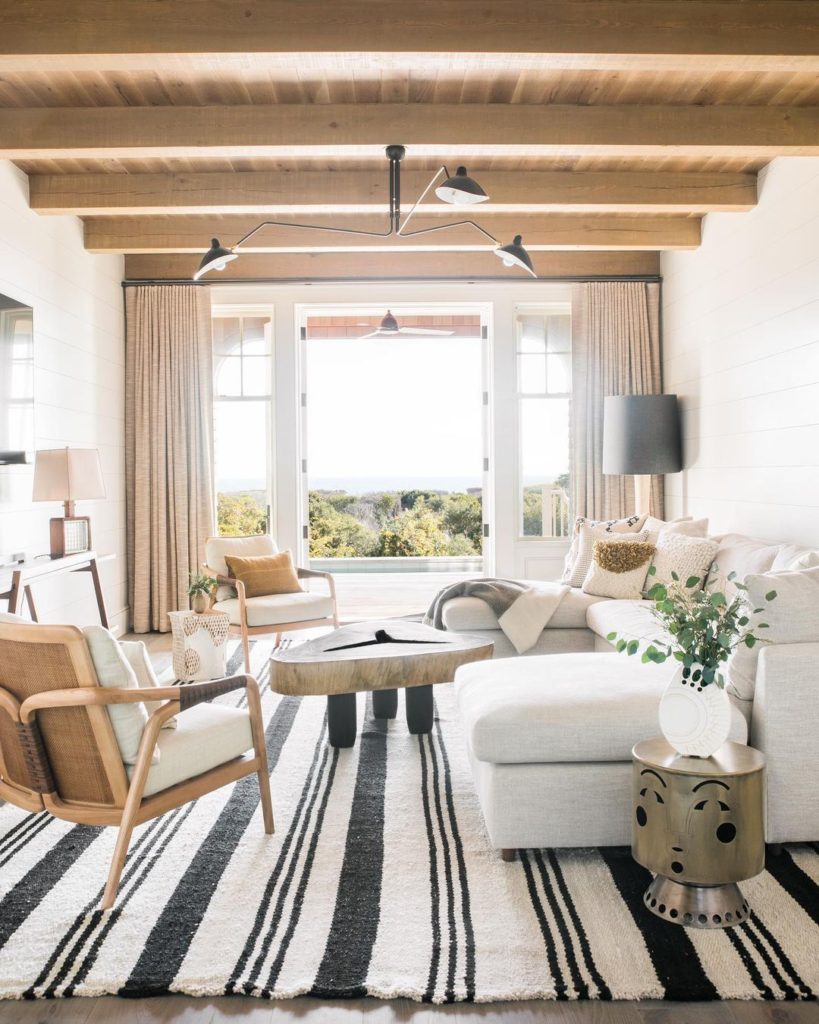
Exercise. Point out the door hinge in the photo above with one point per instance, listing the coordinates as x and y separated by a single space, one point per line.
486 529
304 400
303 332
305 532
304 465
486 465
484 331
486 398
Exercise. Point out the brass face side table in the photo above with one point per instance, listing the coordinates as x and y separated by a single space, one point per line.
698 825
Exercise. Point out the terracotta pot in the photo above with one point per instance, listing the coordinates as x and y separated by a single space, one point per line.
695 719
200 602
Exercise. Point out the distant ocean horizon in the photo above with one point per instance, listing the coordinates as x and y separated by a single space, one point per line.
369 484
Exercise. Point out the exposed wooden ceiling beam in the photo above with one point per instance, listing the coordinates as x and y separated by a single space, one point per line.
363 129
131 34
315 192
397 266
540 232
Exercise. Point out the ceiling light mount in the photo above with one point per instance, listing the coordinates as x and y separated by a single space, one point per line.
457 189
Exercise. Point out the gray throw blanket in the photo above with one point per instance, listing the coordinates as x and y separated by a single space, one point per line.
500 595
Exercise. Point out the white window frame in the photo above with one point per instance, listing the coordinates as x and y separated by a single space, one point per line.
528 309
267 310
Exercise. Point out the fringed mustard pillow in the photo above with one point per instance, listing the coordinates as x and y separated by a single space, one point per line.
618 569
265 574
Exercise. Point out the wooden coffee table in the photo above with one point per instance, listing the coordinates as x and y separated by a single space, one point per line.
381 656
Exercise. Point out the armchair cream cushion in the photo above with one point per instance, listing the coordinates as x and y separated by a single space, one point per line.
243 547
275 608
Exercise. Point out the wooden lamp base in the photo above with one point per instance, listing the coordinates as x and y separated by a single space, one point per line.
70 535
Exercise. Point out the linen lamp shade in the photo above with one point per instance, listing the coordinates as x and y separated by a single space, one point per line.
641 437
68 475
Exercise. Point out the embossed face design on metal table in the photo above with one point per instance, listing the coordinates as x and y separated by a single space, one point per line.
690 828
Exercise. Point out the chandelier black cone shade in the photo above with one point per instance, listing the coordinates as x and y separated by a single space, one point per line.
389 323
216 258
461 190
457 189
514 255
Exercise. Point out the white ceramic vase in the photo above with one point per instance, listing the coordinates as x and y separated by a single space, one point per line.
695 719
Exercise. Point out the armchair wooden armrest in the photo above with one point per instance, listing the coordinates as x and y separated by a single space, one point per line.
186 696
316 574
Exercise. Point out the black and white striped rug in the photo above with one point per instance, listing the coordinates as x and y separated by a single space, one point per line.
379 881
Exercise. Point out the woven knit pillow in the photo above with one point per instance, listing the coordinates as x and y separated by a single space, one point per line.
618 569
631 525
265 574
685 556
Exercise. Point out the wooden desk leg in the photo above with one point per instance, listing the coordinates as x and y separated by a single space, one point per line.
95 576
341 723
15 593
385 703
31 607
419 708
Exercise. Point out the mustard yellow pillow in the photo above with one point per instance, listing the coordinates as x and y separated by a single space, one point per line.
265 574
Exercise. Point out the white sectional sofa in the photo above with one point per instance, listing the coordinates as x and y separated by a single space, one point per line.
550 733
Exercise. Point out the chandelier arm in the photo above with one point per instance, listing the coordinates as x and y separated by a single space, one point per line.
453 224
311 227
441 170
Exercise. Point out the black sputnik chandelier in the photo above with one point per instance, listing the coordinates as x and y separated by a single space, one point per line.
457 189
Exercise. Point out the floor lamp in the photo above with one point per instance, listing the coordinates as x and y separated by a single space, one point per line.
641 438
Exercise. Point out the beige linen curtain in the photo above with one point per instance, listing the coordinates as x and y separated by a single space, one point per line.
615 351
168 446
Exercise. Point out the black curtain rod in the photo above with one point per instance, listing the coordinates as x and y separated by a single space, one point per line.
585 279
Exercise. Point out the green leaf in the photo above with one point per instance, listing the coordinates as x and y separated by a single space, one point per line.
708 675
732 576
652 570
675 577
750 641
691 582
621 646
724 640
744 620
718 600
771 595
740 586
762 625
611 637
633 647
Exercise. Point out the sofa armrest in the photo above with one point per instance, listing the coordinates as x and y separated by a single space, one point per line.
785 727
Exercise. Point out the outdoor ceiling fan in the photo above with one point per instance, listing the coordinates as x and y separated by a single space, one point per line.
457 189
388 328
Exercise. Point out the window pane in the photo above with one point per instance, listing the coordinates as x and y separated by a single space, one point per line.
544 461
558 333
532 333
241 432
532 374
254 333
559 373
226 335
228 372
256 375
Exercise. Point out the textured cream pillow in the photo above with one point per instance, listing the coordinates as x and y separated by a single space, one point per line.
585 548
631 525
687 527
792 618
618 569
685 556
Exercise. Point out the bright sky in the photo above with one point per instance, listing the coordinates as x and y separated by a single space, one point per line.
384 408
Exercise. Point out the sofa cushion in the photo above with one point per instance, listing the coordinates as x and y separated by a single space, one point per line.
683 556
464 614
274 608
618 569
792 557
792 617
563 707
739 554
587 538
136 654
631 525
207 735
265 574
243 547
631 620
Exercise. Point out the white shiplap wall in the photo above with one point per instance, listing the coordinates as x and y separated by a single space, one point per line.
79 389
741 348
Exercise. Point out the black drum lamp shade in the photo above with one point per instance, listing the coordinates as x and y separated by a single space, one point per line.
641 435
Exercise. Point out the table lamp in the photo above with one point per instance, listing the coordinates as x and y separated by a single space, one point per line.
641 438
68 475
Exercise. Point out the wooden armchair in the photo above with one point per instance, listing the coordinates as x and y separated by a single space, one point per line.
277 613
58 750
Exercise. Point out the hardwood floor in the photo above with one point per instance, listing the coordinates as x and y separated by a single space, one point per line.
367 598
226 1009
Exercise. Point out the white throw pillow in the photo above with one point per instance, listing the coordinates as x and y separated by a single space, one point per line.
114 671
793 557
618 569
792 617
587 537
137 655
571 570
654 525
687 527
685 556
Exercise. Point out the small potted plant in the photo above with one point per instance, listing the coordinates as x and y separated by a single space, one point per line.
200 589
702 629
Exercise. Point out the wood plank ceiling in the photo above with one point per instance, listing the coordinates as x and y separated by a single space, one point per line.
603 130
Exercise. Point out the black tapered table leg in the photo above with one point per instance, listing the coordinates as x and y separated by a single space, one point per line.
341 722
385 703
419 708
